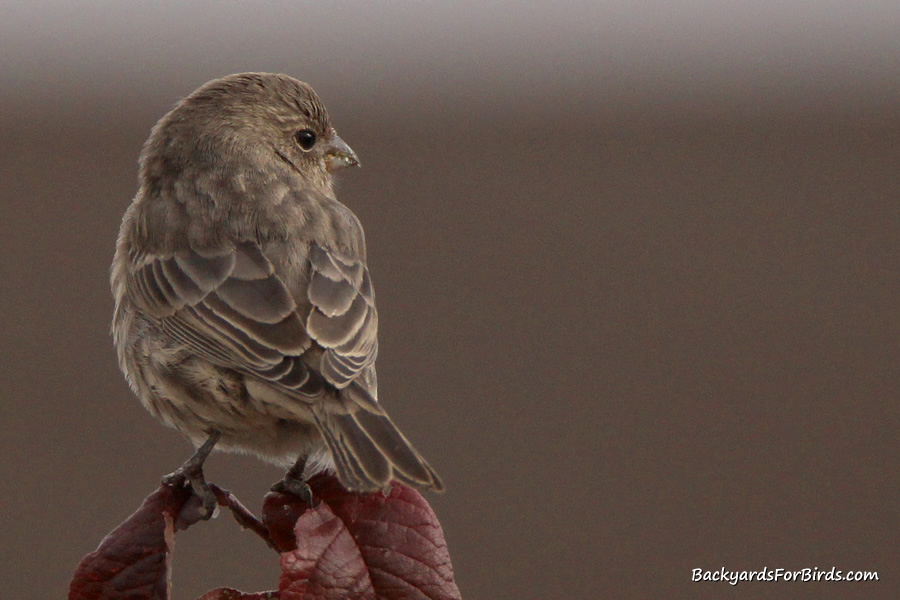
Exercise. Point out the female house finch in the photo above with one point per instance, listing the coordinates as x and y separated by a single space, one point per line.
244 314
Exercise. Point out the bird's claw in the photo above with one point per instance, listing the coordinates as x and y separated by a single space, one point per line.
295 486
188 474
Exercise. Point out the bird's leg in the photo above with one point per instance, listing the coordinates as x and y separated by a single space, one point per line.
192 472
294 482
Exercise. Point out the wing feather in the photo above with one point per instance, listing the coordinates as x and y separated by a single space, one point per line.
343 318
228 305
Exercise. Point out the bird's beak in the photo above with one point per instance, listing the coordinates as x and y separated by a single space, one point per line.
338 154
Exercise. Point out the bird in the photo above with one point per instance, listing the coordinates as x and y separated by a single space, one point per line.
244 310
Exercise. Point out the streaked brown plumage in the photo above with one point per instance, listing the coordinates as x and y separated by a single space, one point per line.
244 310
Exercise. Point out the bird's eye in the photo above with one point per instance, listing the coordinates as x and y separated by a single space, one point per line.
306 139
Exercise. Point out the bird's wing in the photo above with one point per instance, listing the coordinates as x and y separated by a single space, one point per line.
343 319
230 307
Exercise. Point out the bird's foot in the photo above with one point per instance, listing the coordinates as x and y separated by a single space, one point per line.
294 483
192 475
295 486
191 472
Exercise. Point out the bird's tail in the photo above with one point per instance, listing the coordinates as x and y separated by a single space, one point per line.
367 448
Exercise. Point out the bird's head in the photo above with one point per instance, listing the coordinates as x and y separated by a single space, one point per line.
248 127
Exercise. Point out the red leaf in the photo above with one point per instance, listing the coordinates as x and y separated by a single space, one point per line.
132 561
348 546
360 545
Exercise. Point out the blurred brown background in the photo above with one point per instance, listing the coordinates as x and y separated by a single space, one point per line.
637 270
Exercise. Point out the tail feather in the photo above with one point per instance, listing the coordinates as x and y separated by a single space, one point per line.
349 469
368 449
408 464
